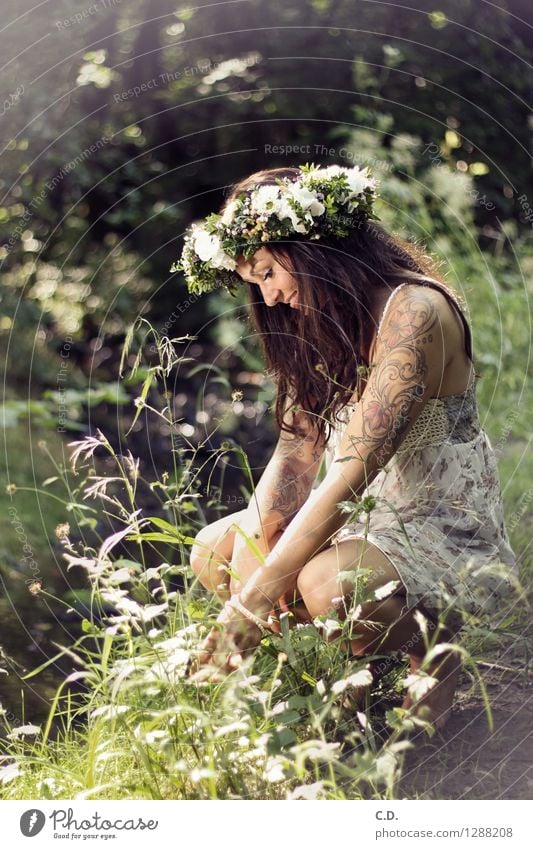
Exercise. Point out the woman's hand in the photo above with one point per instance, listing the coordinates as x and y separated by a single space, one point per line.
228 642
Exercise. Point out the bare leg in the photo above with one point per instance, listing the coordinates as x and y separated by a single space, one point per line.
212 553
384 625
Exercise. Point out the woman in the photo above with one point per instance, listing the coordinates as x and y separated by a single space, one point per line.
372 359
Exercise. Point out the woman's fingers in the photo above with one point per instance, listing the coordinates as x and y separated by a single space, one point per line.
225 647
208 646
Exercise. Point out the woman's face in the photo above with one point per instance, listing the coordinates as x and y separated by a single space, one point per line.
276 284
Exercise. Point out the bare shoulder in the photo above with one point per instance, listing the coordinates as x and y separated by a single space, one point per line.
418 315
416 341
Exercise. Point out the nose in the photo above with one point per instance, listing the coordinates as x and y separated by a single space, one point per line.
271 296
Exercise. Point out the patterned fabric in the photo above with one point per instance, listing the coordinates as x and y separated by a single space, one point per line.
439 513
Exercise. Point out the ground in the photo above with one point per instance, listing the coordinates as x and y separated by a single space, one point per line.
468 761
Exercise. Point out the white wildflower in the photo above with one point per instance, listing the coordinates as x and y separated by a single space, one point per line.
25 731
386 590
361 678
319 750
329 627
225 730
119 576
419 684
109 711
274 770
307 791
152 611
196 775
91 566
421 621
9 772
112 540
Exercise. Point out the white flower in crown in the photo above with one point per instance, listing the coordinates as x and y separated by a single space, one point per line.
229 212
209 248
309 202
307 198
263 197
358 181
308 205
284 210
330 171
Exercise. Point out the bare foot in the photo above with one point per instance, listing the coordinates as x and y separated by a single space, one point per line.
435 706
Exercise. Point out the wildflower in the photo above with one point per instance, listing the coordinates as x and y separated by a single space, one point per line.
236 395
132 466
93 567
329 627
35 587
9 772
48 785
307 791
419 684
361 678
421 621
316 750
109 711
99 487
87 447
120 576
111 541
386 590
25 731
152 611
62 531
11 488
196 775
274 771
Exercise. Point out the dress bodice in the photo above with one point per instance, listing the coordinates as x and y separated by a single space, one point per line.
445 419
448 419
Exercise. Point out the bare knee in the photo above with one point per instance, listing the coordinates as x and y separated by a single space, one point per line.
315 592
207 563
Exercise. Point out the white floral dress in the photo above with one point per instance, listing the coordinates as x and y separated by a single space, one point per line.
438 514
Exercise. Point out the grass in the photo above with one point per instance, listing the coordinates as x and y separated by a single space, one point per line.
129 722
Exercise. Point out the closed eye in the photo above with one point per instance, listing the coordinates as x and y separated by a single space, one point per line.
268 273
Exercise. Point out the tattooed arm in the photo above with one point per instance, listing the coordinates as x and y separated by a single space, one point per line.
284 486
410 356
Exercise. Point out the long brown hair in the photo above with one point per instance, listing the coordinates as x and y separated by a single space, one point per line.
317 359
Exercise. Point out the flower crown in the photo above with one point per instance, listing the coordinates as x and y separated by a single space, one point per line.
314 205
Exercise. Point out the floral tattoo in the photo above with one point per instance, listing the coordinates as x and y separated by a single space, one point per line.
398 378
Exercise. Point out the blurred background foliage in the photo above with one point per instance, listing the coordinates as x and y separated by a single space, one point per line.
123 121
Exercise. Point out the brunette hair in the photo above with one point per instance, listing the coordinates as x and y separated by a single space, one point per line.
316 359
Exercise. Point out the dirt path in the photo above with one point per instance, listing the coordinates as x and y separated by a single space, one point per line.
468 761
